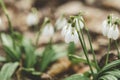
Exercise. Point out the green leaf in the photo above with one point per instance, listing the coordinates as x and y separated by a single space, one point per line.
12 52
47 57
77 59
115 73
30 57
32 71
71 48
110 65
108 77
8 70
77 77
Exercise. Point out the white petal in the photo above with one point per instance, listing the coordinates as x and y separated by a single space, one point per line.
76 39
110 32
32 19
71 36
105 28
48 30
116 33
68 37
66 29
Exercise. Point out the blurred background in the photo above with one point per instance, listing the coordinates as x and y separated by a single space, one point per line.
94 12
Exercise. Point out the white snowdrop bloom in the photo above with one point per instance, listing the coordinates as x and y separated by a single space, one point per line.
32 19
48 30
60 23
113 32
71 36
105 27
65 29
79 24
110 34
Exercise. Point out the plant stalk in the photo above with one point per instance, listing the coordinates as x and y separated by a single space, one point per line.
116 44
86 53
107 57
90 43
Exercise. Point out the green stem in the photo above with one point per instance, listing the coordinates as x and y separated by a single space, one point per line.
86 53
37 39
107 57
38 35
6 13
9 21
90 43
116 44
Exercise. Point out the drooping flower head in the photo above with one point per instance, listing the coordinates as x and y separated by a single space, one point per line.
32 19
110 28
75 23
48 29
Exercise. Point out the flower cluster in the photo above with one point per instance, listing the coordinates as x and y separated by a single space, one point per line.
70 31
110 28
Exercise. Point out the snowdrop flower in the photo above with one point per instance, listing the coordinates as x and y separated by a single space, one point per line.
105 27
113 32
48 30
110 28
71 35
65 29
32 19
61 21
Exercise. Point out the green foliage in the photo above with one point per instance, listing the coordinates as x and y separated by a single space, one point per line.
32 71
29 50
77 77
109 66
12 50
78 59
108 77
111 75
47 57
8 70
71 48
108 70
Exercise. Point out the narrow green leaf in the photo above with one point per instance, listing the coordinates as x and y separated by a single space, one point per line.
78 59
71 48
110 65
115 73
8 70
13 53
47 57
108 77
30 57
